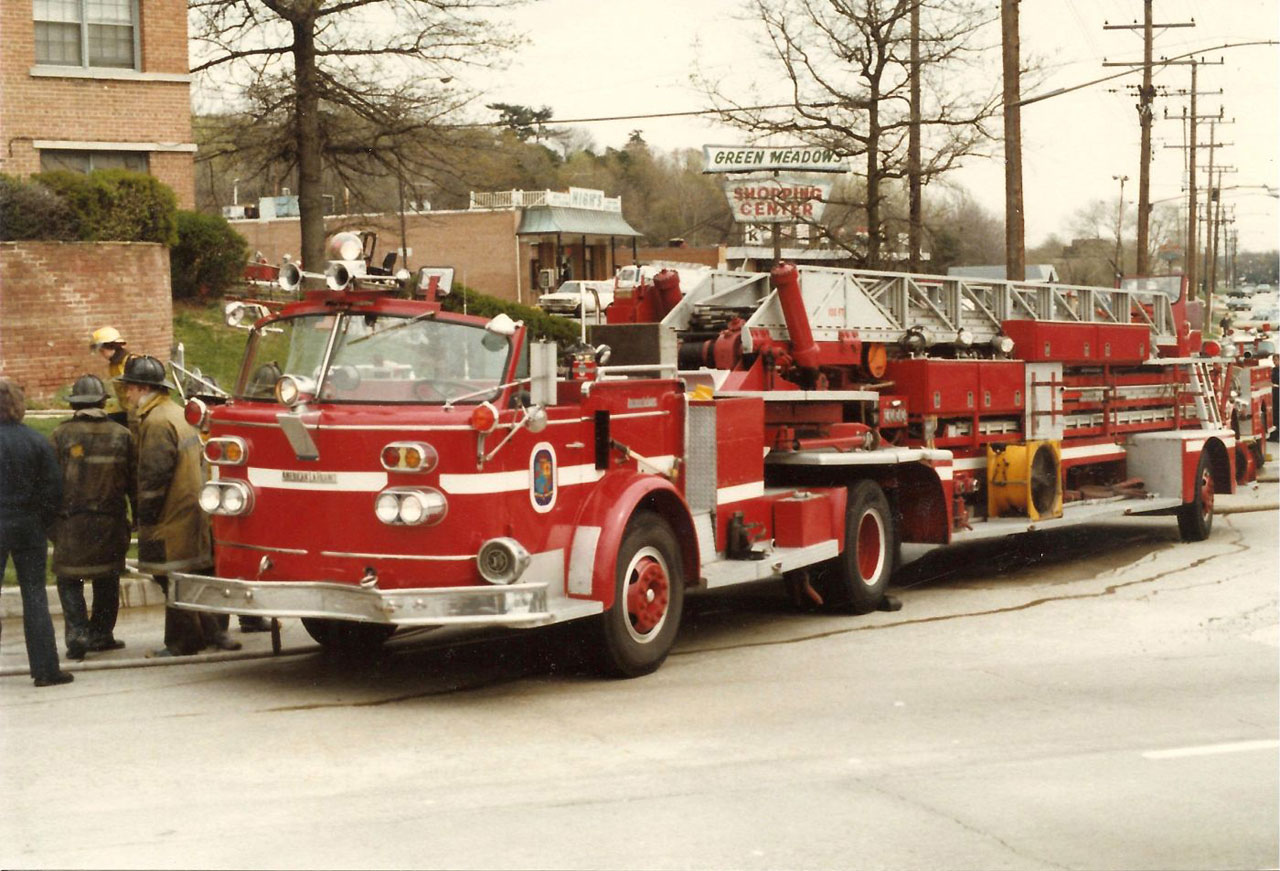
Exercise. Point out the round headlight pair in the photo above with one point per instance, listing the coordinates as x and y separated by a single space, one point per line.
403 507
228 498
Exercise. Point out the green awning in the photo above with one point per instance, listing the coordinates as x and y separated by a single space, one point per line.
549 220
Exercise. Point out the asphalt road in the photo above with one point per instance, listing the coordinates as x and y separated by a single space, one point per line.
1104 698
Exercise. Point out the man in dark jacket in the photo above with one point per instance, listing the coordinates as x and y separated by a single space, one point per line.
91 535
30 492
173 533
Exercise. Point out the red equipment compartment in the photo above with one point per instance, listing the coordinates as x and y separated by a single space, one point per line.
1045 341
1002 384
945 387
739 453
802 519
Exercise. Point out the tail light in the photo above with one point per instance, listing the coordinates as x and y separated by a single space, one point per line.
226 451
409 457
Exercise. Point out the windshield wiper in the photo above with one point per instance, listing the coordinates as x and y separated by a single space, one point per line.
399 326
473 394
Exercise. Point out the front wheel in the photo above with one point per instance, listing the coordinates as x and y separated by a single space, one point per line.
639 630
856 580
1195 518
346 636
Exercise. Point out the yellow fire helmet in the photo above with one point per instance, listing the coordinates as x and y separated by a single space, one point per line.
105 336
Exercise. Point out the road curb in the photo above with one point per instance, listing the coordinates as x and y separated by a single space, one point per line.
148 662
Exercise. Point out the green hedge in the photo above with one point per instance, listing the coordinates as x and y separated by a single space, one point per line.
30 211
209 257
562 331
117 205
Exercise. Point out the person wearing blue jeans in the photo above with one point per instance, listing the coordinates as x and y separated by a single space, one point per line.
30 494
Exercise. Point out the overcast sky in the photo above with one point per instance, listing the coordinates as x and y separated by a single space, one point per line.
593 58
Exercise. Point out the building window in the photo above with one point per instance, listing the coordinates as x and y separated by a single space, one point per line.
88 161
86 33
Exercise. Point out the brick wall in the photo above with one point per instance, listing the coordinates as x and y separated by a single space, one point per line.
99 109
53 295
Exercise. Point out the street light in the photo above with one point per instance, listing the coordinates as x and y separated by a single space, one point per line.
1119 261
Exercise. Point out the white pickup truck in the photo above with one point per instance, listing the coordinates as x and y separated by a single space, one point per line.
578 299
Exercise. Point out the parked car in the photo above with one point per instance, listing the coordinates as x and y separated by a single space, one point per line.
1239 303
578 298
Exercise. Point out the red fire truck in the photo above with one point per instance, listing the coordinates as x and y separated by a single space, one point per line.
384 463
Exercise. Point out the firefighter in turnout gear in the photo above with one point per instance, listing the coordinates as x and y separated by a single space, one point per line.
173 533
91 534
108 342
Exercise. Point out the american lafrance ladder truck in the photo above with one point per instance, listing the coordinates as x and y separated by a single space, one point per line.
384 463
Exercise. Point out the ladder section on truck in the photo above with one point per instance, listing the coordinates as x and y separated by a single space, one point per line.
1203 394
881 306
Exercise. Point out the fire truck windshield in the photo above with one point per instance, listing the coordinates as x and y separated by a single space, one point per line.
375 358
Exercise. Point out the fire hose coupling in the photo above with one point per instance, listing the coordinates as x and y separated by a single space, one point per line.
226 497
404 506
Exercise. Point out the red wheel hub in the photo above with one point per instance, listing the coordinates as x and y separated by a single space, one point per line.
869 546
647 595
1206 494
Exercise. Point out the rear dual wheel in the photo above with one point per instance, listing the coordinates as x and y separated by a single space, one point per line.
856 580
1195 518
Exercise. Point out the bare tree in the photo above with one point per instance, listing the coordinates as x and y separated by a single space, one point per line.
357 84
847 67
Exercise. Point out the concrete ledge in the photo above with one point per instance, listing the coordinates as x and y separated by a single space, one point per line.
136 591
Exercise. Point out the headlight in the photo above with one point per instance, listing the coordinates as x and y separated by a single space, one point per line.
410 507
387 508
210 497
227 498
292 389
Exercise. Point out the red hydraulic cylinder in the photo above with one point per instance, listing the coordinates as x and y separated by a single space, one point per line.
803 349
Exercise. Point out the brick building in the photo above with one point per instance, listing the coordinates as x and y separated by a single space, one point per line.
501 246
97 84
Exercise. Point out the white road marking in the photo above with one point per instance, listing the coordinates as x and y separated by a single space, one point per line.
1211 749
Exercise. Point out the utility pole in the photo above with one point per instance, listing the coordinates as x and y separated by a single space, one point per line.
1192 248
1015 268
1146 95
914 223
1119 261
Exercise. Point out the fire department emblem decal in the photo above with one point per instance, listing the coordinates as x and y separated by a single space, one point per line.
542 477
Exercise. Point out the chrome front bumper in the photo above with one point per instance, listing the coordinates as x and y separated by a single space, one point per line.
514 605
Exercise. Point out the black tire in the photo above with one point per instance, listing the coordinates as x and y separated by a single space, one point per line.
1195 518
637 633
347 636
856 580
